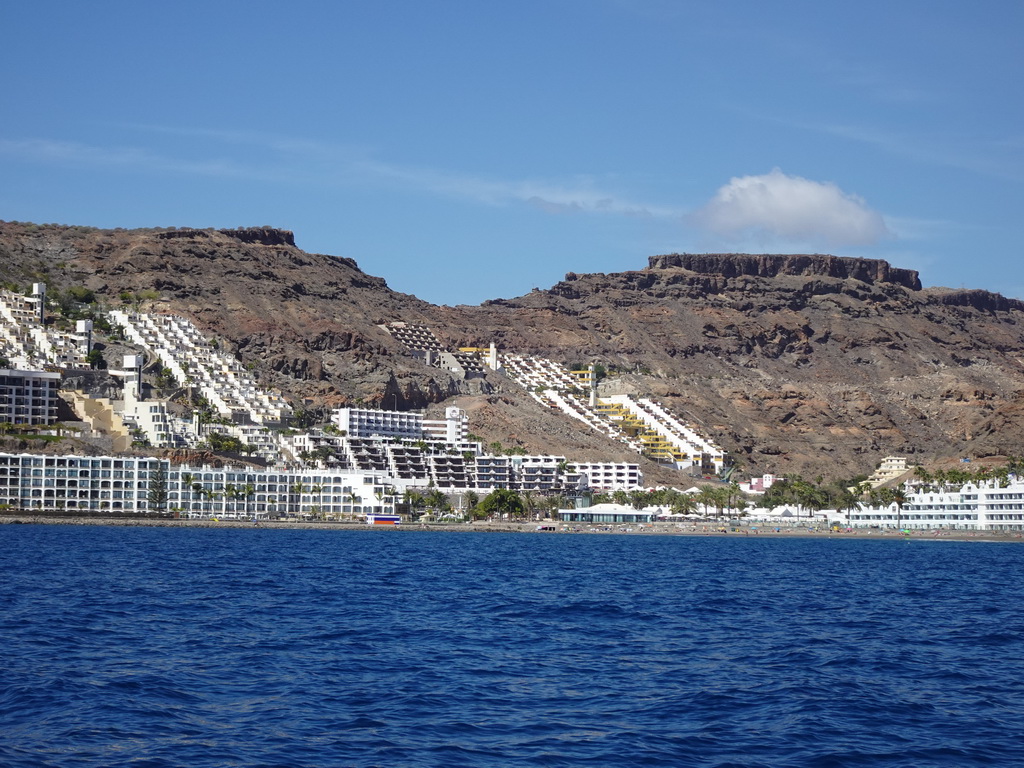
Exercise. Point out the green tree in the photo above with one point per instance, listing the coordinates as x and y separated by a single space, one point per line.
502 501
848 499
157 494
221 443
354 499
81 294
413 500
435 499
709 497
809 496
95 359
639 498
554 503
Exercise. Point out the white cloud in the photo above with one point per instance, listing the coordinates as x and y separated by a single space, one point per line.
778 207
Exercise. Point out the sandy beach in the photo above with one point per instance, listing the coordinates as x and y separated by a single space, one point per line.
544 528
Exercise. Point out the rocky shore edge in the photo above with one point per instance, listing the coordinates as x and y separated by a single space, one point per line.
546 527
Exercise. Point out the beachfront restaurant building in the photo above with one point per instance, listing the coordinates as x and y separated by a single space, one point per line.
608 513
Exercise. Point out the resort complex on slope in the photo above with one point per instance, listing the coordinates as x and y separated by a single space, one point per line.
374 448
646 426
364 461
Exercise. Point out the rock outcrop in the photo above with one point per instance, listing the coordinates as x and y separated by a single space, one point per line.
774 265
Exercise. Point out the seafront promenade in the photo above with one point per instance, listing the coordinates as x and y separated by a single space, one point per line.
541 528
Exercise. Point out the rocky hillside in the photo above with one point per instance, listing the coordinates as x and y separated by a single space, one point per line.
806 363
306 322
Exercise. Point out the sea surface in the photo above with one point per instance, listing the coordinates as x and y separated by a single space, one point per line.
202 647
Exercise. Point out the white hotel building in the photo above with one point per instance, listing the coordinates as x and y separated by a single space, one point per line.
975 506
118 484
28 397
609 476
367 422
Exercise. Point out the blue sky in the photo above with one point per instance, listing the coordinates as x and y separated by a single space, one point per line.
475 150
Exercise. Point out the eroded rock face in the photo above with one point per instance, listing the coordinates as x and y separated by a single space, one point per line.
773 265
802 363
813 364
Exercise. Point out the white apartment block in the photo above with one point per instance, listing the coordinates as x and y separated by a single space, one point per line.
608 476
366 422
151 418
122 485
539 473
975 506
28 397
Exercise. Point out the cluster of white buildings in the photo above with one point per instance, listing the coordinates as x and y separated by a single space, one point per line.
194 362
357 465
363 462
641 423
417 452
28 344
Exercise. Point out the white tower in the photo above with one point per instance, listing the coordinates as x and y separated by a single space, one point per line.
132 380
83 332
39 297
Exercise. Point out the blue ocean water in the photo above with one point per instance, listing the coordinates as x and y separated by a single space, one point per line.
205 647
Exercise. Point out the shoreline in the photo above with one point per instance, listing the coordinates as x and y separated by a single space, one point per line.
647 529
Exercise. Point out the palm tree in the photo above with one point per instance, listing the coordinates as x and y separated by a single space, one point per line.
231 493
807 495
706 497
248 491
881 497
435 499
297 489
353 499
899 498
848 499
187 478
390 494
529 502
318 489
734 494
639 498
200 491
683 504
